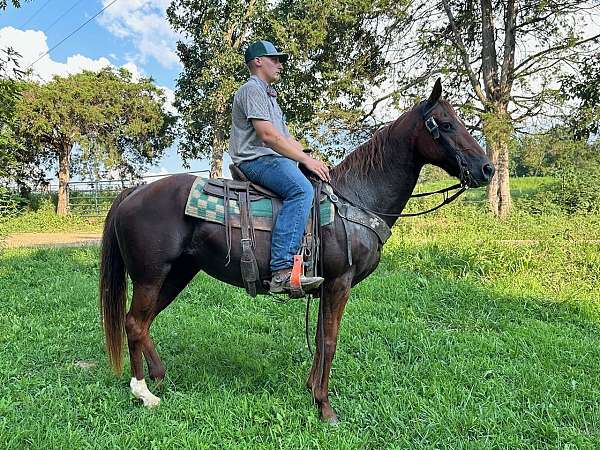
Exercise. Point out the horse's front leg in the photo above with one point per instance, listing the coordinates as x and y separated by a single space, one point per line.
334 300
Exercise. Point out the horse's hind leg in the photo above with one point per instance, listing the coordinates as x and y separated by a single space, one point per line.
148 301
137 323
180 275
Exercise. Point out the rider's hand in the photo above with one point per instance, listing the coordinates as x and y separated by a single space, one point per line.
317 167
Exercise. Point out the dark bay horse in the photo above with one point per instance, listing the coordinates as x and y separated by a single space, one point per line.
148 236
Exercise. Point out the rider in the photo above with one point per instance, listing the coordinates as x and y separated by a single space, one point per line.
262 147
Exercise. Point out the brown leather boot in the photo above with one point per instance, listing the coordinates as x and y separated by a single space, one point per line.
280 283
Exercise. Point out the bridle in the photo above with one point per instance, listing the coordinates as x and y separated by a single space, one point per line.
452 152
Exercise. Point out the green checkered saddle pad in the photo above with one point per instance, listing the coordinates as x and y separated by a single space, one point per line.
211 208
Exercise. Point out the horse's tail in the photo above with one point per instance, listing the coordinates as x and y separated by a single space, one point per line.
113 287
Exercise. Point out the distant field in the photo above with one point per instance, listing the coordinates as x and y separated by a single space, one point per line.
472 333
45 220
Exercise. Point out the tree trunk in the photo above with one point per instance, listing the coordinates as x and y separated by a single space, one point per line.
499 199
216 157
492 188
64 157
497 130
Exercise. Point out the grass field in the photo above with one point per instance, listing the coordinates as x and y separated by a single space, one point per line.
472 333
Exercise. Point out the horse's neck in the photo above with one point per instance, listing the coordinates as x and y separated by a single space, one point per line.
386 188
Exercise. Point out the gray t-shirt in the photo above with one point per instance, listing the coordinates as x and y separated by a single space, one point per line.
253 102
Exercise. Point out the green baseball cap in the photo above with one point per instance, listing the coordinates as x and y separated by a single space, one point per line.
263 48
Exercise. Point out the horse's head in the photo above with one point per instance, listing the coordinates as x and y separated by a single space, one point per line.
444 141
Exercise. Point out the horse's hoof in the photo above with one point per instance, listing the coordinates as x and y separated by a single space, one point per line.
331 421
151 402
141 392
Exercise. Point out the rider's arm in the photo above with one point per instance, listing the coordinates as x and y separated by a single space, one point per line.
288 147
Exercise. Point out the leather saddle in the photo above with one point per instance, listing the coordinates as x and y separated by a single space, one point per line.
244 192
218 186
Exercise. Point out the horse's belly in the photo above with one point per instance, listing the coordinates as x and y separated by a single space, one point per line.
209 248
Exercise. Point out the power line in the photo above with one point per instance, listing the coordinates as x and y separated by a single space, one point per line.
63 15
35 14
73 32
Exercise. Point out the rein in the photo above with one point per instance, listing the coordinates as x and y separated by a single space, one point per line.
447 199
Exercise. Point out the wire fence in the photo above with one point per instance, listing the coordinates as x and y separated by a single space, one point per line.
86 198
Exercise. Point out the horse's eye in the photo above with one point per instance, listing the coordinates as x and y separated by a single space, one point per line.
446 126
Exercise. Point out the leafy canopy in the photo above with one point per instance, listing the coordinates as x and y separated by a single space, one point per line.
337 57
106 114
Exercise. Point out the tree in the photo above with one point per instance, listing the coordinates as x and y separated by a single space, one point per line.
583 88
13 157
542 154
508 54
103 113
15 3
337 57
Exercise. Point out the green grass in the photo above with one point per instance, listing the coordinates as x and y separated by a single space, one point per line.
472 333
47 221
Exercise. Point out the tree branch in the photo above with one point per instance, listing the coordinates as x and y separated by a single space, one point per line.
489 61
464 55
508 59
531 59
412 83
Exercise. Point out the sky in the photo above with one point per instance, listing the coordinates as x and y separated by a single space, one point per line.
130 33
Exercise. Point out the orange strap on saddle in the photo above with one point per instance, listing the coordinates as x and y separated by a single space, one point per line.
297 270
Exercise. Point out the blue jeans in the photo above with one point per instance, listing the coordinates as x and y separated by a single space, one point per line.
282 176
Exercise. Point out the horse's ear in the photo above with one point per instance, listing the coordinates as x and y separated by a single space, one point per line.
436 93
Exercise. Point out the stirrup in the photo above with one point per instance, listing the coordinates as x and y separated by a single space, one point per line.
297 271
301 285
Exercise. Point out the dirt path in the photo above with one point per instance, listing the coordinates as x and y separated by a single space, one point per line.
78 239
51 239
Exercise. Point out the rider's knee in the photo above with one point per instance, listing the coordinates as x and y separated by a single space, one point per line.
302 189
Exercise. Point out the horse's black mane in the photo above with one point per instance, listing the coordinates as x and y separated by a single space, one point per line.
371 154
366 156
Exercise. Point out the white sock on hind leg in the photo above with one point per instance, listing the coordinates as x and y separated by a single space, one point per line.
141 391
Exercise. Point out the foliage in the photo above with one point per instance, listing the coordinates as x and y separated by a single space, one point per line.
10 204
15 3
459 339
336 58
105 113
45 220
576 189
113 120
13 155
542 154
583 87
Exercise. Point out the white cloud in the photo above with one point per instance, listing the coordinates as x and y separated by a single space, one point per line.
154 175
144 23
170 98
135 70
32 44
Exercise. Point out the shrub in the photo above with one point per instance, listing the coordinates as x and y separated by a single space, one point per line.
576 190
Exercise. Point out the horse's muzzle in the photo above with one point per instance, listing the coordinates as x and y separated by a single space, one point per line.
488 170
481 177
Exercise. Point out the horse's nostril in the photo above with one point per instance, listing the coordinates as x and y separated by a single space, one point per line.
488 171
